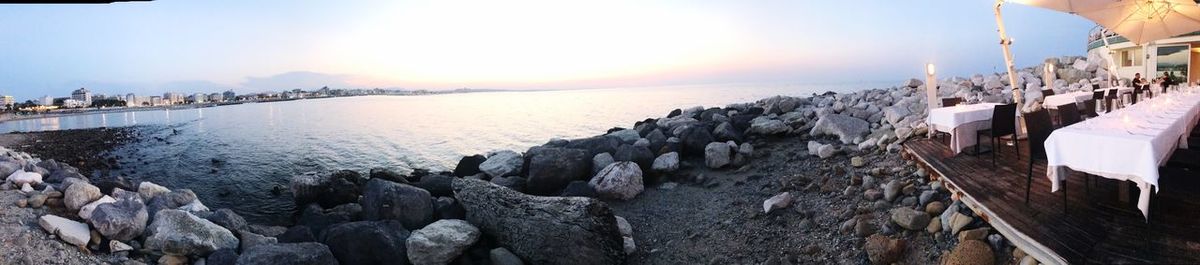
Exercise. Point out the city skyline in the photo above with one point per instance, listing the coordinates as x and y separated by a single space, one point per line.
154 47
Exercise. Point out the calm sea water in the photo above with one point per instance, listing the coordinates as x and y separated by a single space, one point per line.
262 145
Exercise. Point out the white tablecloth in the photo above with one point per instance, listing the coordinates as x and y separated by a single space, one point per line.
1052 102
1126 144
962 122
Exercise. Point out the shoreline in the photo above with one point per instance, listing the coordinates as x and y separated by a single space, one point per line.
781 180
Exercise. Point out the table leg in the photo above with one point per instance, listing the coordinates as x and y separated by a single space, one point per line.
1123 191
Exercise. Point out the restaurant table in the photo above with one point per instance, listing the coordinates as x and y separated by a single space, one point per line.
962 122
1126 144
1053 101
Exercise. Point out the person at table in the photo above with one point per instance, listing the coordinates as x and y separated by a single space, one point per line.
1138 81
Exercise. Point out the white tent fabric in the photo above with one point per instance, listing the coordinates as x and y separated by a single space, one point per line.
1140 21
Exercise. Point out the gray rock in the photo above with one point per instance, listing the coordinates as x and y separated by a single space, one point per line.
726 132
384 200
122 220
502 163
601 160
910 219
627 136
543 230
620 180
827 151
768 127
717 155
368 242
181 233
501 256
250 240
288 253
926 197
85 212
80 194
228 219
550 169
73 232
441 242
891 190
640 155
668 162
846 128
779 201
513 182
148 190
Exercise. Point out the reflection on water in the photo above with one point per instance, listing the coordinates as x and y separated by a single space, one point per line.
232 156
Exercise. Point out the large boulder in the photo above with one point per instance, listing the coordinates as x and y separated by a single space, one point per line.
620 180
368 242
668 162
627 136
970 252
386 200
60 175
637 154
726 132
846 128
468 165
148 190
176 232
288 254
543 230
73 232
80 194
882 250
717 154
317 219
107 183
441 242
171 200
228 219
694 138
327 190
123 220
768 127
502 163
550 169
596 145
436 185
910 219
21 177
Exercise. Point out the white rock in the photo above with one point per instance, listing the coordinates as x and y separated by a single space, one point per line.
717 154
73 232
116 246
26 188
194 207
628 136
148 190
620 180
441 242
86 211
22 177
502 163
779 201
827 151
668 162
629 245
768 127
624 227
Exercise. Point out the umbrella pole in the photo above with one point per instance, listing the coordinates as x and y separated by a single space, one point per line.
1113 76
1008 59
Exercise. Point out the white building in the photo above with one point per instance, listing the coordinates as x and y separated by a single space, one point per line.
46 101
172 98
83 96
1178 56
73 103
157 101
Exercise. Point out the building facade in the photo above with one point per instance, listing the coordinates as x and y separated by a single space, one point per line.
82 95
1177 57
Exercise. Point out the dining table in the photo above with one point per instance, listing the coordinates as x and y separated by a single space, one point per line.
1053 101
961 122
1127 144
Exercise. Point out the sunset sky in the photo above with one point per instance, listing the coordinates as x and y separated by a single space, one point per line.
250 46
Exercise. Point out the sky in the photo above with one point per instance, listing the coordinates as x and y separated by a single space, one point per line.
252 46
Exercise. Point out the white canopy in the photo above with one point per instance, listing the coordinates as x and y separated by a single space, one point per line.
1140 21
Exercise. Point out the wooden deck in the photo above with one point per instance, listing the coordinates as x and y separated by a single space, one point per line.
1095 226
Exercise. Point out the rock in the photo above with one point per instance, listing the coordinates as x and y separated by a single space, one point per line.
60 175
172 200
628 245
883 250
665 163
80 194
384 200
148 190
601 160
270 231
328 190
717 155
1028 260
596 145
181 233
779 201
250 240
502 163
513 182
694 139
926 197
543 230
579 189
627 136
7 168
620 180
895 114
958 221
436 185
935 208
974 234
288 253
550 169
468 165
501 256
872 194
228 219
441 242
107 183
20 177
997 242
935 225
910 219
37 200
912 83
863 227
85 212
768 127
857 161
891 190
123 220
726 132
173 260
826 151
368 242
449 208
640 155
970 252
297 234
116 246
846 128
72 232
225 256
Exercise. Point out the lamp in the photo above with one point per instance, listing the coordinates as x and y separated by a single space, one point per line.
931 89
1048 75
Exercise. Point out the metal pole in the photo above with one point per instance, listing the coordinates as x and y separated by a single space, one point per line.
1018 96
1112 66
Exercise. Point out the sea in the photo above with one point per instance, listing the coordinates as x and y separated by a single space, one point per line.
234 156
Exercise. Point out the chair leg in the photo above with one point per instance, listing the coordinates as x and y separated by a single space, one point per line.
995 150
1063 187
1028 181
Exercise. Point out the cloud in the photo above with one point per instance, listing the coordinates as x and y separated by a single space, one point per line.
297 79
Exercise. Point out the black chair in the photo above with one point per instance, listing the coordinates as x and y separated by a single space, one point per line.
1047 92
950 102
1068 114
1149 92
1185 158
1004 122
1089 108
1134 97
1109 100
1098 97
1095 87
1038 127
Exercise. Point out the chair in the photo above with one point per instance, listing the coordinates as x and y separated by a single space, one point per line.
1111 99
1047 92
1134 97
1149 92
1185 158
1089 108
1095 87
950 102
1039 127
1068 114
1098 97
1003 123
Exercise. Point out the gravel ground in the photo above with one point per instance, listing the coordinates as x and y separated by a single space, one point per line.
22 241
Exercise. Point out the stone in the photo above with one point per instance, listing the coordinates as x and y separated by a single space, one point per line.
80 194
502 163
726 132
974 234
627 136
579 189
543 230
384 200
1028 260
107 183
72 232
172 200
717 155
468 165
173 260
827 151
910 219
912 83
997 241
846 128
296 234
228 219
863 228
601 160
250 239
550 169
85 212
970 252
288 253
872 194
21 177
441 242
958 221
768 127
935 225
501 256
37 200
883 250
620 180
436 185
891 190
148 190
596 145
328 190
181 233
367 242
26 188
935 208
225 256
123 220
640 155
117 246
22 203
665 163
694 138
779 201
629 245
857 161
926 197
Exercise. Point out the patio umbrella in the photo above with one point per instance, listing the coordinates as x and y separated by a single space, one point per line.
1140 21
